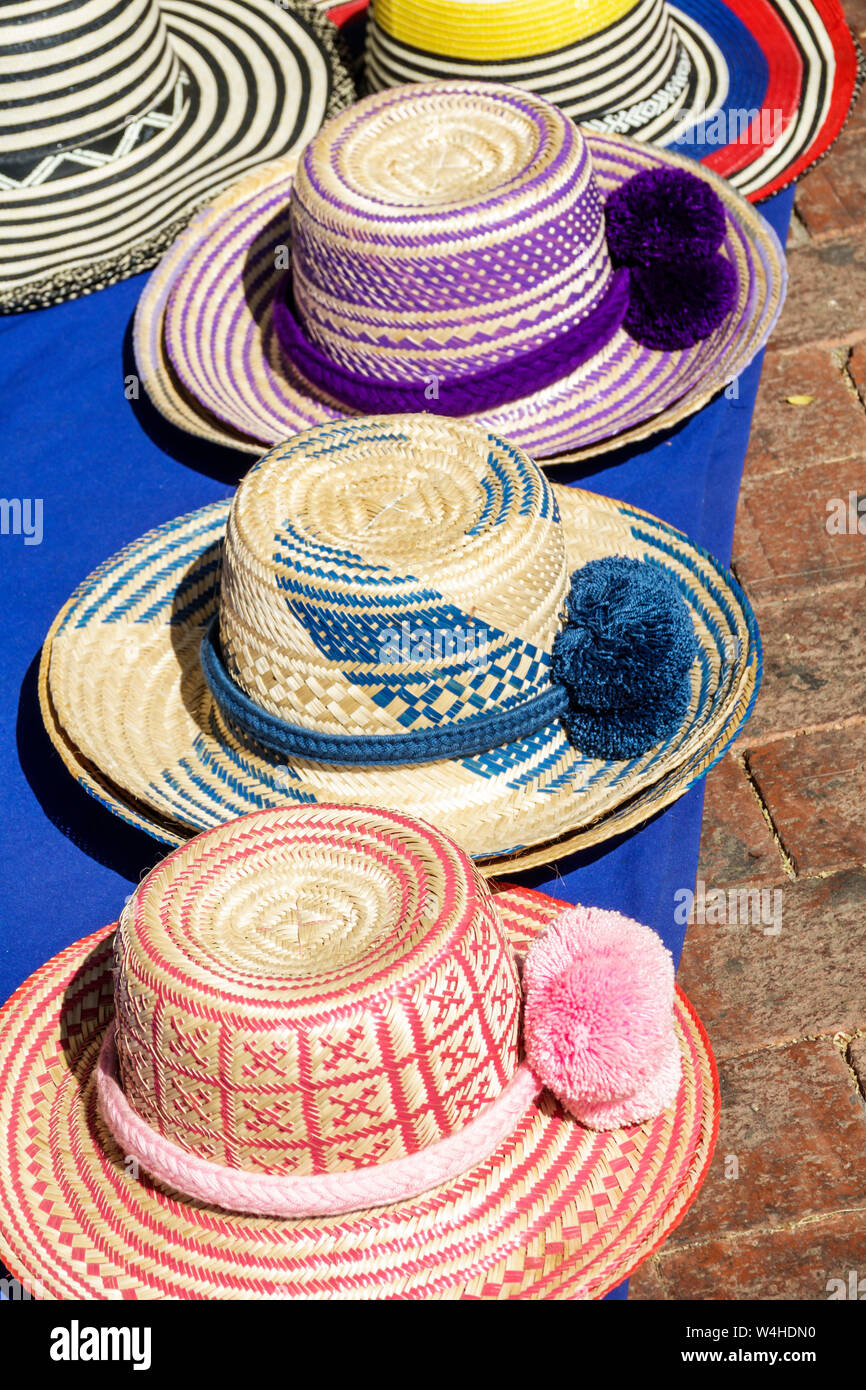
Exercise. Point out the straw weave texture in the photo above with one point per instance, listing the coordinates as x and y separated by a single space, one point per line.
313 991
636 69
126 704
204 338
650 70
355 557
103 164
556 1211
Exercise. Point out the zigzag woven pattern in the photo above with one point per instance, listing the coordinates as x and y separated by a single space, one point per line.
120 118
39 169
210 308
524 372
469 734
439 231
67 93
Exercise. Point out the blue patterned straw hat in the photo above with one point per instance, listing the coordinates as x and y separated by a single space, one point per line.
404 612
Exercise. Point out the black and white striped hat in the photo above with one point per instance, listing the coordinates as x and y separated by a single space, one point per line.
627 59
119 118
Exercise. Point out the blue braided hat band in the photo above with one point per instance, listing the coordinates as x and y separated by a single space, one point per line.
464 738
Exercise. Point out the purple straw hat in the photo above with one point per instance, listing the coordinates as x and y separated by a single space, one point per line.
461 249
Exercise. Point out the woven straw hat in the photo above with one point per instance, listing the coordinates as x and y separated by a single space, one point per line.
102 161
758 88
447 248
382 585
303 997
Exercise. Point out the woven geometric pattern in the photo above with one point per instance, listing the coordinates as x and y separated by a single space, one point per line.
556 1212
37 170
417 579
666 101
127 706
314 991
414 209
209 309
60 90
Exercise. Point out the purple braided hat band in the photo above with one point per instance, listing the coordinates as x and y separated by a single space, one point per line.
444 235
528 371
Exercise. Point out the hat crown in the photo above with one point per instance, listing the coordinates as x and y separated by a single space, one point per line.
71 74
615 65
314 989
442 229
386 576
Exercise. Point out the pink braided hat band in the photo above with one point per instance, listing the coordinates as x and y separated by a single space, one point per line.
317 1194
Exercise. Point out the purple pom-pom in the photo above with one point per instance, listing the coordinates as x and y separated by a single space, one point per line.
663 214
674 304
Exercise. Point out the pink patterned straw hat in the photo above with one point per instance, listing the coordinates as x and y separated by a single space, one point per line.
306 1065
461 249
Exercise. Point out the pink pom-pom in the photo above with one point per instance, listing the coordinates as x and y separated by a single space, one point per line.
598 1024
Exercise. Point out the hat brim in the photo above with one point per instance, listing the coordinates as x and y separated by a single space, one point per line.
815 71
261 79
557 1211
208 357
793 59
125 703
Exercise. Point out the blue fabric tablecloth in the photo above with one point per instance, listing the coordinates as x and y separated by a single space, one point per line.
107 469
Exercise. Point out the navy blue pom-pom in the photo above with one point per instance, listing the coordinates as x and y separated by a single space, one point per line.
624 656
675 305
663 214
621 734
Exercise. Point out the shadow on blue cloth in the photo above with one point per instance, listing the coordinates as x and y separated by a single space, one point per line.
90 826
